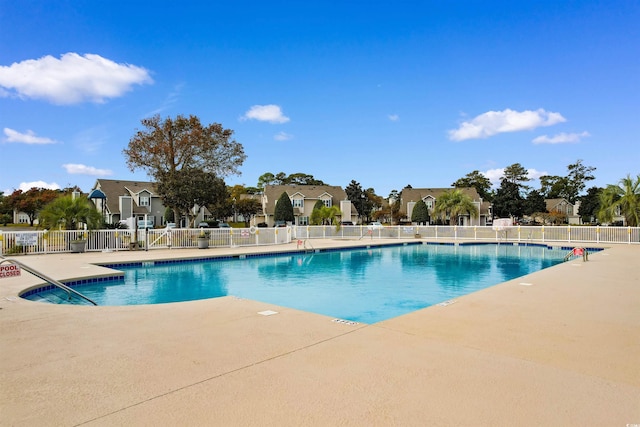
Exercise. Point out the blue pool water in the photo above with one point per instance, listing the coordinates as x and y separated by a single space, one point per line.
362 285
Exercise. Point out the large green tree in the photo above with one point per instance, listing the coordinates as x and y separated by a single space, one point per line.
31 201
167 146
476 180
248 208
577 177
590 204
266 179
534 203
568 187
518 175
453 204
172 144
187 188
553 186
420 213
5 210
623 198
281 178
284 209
508 202
363 200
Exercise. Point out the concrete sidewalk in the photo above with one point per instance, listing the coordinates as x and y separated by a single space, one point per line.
560 347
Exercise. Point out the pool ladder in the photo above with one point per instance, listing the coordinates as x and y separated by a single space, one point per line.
578 252
303 244
47 279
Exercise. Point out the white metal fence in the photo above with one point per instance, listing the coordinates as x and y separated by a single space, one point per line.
39 242
569 234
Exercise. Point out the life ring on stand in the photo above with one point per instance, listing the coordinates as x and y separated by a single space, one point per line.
253 229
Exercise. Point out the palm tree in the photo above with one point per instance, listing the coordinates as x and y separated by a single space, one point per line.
69 213
623 198
454 203
325 215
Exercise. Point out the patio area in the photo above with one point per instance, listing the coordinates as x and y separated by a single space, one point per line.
559 347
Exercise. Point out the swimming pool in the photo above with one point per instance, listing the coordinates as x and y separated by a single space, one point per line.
363 285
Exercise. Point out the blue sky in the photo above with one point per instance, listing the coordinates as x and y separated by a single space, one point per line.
384 93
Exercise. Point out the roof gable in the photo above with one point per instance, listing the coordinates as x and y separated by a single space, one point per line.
308 192
113 189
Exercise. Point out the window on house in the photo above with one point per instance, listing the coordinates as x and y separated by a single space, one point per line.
429 204
144 201
303 220
327 203
298 203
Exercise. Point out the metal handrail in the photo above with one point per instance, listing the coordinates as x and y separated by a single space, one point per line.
44 277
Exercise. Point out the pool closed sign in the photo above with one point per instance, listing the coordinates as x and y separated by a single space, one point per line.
9 270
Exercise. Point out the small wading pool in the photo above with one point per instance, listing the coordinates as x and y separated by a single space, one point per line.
365 285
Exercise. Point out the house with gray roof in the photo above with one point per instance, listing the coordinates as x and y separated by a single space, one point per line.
120 200
303 198
410 196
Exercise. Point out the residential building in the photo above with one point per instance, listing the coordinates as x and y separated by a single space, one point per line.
564 207
410 196
303 198
120 200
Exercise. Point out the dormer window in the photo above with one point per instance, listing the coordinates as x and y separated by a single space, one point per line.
145 201
327 202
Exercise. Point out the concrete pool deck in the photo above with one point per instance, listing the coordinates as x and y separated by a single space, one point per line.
560 347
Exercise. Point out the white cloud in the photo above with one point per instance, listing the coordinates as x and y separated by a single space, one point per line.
78 169
282 136
25 186
71 79
26 138
495 122
495 175
560 138
393 117
265 113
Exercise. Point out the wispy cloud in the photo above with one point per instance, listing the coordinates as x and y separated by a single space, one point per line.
393 117
495 175
171 98
495 122
26 138
561 138
282 136
71 79
79 169
265 113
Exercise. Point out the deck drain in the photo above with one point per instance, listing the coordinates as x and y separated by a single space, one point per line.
526 284
345 322
446 303
267 312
